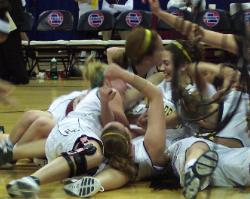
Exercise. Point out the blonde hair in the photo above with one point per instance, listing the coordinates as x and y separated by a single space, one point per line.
93 71
117 150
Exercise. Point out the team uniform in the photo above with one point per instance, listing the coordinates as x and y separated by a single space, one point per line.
237 127
227 174
180 131
83 121
145 167
59 106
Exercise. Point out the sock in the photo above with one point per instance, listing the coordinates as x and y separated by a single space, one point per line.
189 164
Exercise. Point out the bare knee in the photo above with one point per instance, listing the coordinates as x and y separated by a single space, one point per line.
44 125
99 157
31 116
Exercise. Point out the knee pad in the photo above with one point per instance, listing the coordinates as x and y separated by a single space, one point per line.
76 159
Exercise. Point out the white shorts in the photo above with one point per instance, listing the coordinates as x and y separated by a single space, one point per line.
146 169
59 105
64 136
233 167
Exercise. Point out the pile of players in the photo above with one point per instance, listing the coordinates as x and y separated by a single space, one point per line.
151 111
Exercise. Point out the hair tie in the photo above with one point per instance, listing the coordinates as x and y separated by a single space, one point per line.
147 40
180 46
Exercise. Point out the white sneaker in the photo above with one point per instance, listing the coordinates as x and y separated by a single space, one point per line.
197 175
6 151
85 187
24 187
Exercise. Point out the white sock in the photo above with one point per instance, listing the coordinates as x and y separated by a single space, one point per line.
189 164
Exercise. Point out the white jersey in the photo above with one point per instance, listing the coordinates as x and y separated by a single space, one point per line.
59 105
84 120
146 168
180 131
232 168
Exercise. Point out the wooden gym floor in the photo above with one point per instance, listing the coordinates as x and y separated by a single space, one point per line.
38 95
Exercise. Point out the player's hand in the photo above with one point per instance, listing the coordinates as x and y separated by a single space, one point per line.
196 34
154 6
107 93
113 72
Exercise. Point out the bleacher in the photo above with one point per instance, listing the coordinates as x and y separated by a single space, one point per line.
67 51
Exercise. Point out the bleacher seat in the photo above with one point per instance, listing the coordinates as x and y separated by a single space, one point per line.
216 20
134 18
240 15
60 20
95 21
29 21
51 20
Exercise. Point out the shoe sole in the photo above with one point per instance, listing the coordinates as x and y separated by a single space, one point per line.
84 187
192 189
203 167
20 189
206 164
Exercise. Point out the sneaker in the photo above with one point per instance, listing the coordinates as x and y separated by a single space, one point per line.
24 187
197 174
6 149
85 187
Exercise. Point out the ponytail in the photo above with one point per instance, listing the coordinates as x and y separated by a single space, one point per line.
94 72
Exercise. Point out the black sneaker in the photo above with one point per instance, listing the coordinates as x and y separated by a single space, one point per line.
197 174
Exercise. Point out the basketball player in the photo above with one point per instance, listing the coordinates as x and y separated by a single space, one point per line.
66 127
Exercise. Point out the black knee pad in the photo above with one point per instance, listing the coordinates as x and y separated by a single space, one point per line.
76 159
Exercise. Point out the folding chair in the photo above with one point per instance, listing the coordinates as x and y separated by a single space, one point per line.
216 20
28 22
52 20
96 21
134 18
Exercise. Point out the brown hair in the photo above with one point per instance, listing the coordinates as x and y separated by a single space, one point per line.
140 43
184 52
118 151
